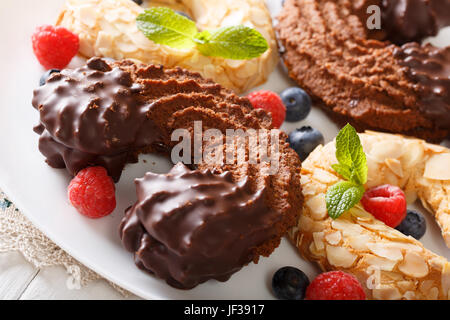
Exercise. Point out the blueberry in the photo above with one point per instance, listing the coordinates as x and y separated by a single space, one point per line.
139 2
46 75
413 225
297 102
290 283
305 140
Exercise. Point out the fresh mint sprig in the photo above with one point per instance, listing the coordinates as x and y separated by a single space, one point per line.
352 166
238 43
164 26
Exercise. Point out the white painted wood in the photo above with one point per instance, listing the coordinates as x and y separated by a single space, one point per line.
19 279
15 275
50 284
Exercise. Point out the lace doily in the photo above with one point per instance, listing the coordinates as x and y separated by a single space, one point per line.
18 234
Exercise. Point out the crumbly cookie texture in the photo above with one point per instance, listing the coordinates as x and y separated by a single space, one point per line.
108 28
358 80
389 264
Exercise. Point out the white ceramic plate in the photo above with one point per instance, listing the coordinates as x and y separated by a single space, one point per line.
40 191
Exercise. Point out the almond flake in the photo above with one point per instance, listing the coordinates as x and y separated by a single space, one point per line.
308 190
438 263
386 292
433 294
234 64
334 238
435 148
378 262
361 214
258 16
406 285
396 166
385 251
413 154
373 176
386 149
318 207
88 16
348 228
358 242
318 240
414 265
390 178
104 40
409 295
426 285
313 250
126 47
406 246
438 167
324 176
340 256
305 223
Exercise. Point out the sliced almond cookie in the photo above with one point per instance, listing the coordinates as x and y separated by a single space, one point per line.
108 29
389 264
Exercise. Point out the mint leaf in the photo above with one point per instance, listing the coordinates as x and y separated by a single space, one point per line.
238 42
343 169
164 26
351 157
352 166
342 196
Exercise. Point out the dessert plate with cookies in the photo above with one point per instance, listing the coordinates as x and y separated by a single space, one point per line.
242 149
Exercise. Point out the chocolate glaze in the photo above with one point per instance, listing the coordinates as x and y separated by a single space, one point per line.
429 67
191 226
261 207
92 115
414 20
96 109
106 113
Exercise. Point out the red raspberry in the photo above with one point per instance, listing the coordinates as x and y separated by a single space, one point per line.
386 203
271 102
335 285
91 192
54 47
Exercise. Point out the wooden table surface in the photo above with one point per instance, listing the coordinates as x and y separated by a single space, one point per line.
20 280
